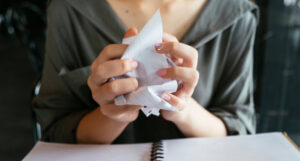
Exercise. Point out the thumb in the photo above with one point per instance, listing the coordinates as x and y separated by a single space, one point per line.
131 32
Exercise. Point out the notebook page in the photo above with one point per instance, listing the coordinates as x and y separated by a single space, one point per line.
76 152
261 147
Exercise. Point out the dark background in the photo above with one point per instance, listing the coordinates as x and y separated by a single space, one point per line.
277 73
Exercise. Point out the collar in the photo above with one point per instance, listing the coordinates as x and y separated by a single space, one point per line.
215 17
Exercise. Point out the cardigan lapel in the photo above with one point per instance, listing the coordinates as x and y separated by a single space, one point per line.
100 14
216 17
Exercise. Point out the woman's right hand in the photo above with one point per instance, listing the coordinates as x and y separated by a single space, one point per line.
106 66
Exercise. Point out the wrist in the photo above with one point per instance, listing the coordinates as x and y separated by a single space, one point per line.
181 117
187 117
108 118
98 128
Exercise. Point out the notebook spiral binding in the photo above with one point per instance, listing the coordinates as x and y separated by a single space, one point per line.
157 151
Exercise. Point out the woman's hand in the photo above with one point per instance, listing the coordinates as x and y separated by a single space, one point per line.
193 120
186 58
103 91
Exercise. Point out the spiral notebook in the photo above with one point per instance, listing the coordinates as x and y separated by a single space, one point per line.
261 147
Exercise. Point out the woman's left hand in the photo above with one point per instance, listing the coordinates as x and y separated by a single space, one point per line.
186 58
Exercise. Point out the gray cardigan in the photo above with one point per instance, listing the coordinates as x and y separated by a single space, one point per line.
78 30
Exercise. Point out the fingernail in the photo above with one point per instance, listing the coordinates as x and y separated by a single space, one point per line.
162 72
166 97
159 46
133 64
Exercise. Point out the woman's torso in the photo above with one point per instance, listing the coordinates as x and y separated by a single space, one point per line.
85 28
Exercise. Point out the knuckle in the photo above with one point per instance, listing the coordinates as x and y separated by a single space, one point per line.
112 87
196 76
93 66
195 51
173 45
134 83
98 74
89 81
94 96
195 54
174 71
125 65
107 49
98 70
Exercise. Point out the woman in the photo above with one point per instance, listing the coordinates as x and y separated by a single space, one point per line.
75 103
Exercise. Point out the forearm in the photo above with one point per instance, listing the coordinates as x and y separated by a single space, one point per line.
198 122
97 128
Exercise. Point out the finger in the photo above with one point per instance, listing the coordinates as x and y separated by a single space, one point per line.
169 38
174 101
131 32
112 68
179 50
184 74
110 90
177 61
188 76
112 51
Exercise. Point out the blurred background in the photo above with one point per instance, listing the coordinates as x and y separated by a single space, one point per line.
22 38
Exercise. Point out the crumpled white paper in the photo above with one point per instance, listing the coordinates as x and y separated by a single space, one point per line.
151 86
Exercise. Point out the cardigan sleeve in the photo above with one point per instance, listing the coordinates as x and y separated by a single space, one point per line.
59 106
233 101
